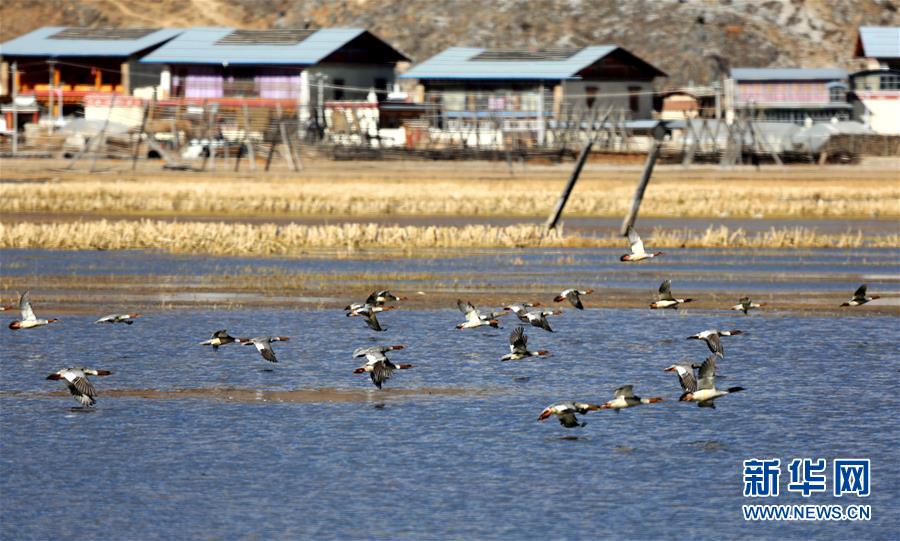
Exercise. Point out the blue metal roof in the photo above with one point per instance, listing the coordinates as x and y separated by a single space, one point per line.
458 63
787 74
40 43
198 46
880 41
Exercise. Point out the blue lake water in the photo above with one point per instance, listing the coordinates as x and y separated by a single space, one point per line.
473 466
696 269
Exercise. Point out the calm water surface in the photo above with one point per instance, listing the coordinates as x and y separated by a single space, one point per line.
473 466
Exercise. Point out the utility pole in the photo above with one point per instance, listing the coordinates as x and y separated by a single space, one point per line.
51 66
717 85
320 115
15 104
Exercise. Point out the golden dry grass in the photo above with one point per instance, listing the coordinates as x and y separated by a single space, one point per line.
268 239
464 189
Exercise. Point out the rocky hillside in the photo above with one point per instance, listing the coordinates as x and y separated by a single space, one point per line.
690 39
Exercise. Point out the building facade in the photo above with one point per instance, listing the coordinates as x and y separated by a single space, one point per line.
796 95
293 68
536 84
875 91
60 66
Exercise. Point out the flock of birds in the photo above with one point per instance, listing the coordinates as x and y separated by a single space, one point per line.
698 381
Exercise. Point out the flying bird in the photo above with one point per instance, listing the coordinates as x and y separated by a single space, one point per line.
29 320
474 318
665 298
357 309
573 296
376 299
368 315
264 345
624 398
686 376
705 393
535 319
220 338
127 319
637 248
520 309
518 347
744 305
78 384
859 297
565 412
711 337
378 366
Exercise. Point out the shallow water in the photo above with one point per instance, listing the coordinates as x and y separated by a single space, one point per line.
744 271
414 466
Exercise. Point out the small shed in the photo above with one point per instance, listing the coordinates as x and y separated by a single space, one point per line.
65 64
880 46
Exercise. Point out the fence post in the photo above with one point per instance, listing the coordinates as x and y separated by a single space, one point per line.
137 143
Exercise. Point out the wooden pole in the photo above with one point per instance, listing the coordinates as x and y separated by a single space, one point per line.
101 137
567 191
251 154
579 164
652 155
272 143
15 111
137 143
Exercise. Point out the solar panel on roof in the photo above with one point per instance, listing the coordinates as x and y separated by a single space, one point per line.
102 33
518 55
266 37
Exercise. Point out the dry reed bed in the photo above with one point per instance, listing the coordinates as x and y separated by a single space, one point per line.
707 197
269 239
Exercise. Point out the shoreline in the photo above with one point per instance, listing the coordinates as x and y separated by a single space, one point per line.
221 238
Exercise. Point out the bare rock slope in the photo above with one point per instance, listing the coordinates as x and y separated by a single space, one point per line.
693 40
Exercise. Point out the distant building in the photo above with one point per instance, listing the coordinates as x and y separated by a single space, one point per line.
294 68
65 64
875 91
789 94
687 103
528 85
880 46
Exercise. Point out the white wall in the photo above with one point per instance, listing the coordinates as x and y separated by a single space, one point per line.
613 93
883 115
361 76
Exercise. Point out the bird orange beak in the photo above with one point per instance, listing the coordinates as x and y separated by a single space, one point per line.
595 407
669 369
398 347
359 370
559 298
544 414
54 376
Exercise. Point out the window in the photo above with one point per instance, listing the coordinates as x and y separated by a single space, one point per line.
590 96
890 82
837 93
338 90
634 98
381 88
